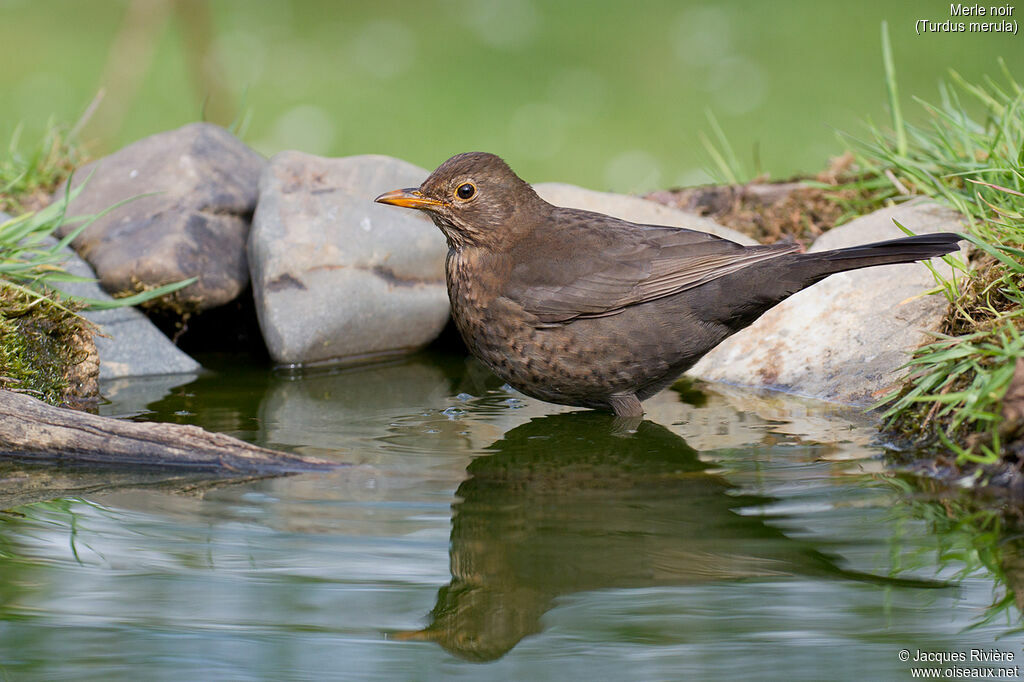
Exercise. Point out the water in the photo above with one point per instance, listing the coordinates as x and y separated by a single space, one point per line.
479 534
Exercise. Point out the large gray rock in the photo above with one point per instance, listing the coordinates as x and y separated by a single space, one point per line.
335 276
201 183
843 339
129 345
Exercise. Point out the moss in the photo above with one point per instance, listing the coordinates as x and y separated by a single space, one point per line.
45 350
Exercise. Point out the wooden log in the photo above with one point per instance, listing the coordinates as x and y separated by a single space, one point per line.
33 430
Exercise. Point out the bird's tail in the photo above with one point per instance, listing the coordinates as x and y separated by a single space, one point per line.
903 250
770 282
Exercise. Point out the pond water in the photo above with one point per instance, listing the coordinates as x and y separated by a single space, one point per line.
479 534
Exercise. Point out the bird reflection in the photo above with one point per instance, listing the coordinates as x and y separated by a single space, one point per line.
571 502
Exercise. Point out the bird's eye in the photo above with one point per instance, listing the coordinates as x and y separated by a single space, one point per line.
465 191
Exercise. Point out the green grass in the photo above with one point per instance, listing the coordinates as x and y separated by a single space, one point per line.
27 178
968 154
41 330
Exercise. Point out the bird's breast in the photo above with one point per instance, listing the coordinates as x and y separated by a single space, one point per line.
474 278
486 319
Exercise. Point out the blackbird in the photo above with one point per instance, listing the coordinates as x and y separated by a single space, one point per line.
584 309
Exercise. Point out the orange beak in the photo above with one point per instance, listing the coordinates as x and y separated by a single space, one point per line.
407 198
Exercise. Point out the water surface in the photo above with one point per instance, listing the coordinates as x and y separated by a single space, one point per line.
479 534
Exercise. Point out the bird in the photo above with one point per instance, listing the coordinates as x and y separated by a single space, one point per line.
580 308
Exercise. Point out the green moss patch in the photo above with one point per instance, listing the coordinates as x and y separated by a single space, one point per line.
45 350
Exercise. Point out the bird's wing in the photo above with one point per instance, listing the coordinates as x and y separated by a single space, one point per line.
592 265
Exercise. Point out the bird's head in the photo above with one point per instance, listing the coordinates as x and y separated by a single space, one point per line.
475 199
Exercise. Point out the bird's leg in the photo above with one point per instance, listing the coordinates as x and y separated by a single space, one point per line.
626 405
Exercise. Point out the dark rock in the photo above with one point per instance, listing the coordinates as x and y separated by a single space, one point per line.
200 183
335 276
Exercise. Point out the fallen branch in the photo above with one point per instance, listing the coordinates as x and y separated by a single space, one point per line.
33 430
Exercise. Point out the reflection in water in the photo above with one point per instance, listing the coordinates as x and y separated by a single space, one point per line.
1011 572
297 409
971 537
27 483
570 503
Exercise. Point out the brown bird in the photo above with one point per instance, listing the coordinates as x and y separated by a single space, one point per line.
580 308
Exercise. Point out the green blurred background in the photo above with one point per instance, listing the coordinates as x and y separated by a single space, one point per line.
604 93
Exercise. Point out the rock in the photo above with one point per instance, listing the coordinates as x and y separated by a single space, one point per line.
633 209
843 339
132 346
201 186
335 276
128 343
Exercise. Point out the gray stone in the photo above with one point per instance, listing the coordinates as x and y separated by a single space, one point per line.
132 346
633 209
843 339
201 187
335 276
129 344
